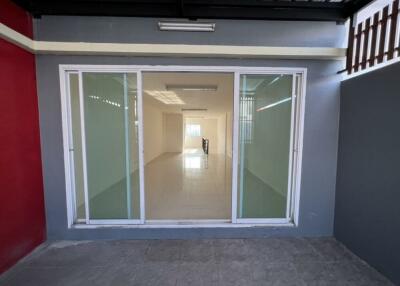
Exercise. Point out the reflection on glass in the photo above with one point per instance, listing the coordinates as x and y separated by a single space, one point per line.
111 145
264 144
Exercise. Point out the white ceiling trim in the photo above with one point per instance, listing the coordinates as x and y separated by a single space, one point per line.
173 50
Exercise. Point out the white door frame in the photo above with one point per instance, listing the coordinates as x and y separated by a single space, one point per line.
295 153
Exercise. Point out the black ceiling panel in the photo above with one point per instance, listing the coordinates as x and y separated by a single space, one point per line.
308 10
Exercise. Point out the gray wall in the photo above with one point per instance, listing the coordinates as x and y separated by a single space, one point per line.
228 32
367 213
321 115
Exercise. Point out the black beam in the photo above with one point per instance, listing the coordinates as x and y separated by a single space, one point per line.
272 4
193 9
264 13
354 6
87 8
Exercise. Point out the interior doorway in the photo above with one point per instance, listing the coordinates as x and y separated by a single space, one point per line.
187 119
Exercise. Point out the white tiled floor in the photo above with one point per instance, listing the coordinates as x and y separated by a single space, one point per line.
188 185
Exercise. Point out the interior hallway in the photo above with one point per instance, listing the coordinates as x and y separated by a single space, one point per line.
179 109
188 185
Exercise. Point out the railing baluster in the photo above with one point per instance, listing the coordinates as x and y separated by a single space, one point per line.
365 45
373 40
383 34
358 47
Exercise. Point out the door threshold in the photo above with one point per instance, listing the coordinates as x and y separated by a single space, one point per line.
186 224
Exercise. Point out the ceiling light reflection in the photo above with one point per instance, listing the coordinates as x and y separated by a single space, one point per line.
113 103
274 104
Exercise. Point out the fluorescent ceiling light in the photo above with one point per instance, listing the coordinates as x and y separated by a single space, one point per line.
186 26
191 87
166 97
274 104
194 109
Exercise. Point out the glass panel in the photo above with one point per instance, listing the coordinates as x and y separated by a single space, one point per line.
264 145
111 130
77 146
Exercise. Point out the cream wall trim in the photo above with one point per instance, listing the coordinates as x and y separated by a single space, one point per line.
16 38
122 49
186 50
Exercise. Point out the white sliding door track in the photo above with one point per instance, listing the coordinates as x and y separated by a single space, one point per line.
173 50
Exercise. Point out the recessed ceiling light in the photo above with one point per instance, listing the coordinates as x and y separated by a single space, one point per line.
166 97
194 109
191 87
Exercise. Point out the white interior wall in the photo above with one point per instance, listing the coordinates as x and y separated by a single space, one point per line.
221 128
173 132
228 141
153 130
163 132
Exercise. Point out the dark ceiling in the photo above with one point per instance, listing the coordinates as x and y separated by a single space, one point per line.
309 10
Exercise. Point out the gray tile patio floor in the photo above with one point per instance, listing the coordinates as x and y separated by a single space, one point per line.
266 261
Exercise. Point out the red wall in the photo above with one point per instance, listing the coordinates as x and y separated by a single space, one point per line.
22 219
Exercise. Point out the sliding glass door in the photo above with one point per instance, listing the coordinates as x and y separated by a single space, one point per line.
266 113
105 131
103 143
